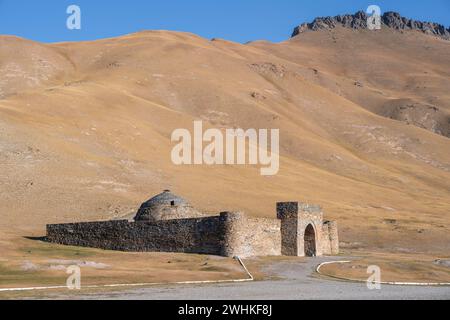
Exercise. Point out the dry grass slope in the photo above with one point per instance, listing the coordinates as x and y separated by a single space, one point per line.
85 130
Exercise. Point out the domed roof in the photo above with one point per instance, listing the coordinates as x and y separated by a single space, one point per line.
165 206
165 198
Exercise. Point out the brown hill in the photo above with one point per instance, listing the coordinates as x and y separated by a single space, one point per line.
363 116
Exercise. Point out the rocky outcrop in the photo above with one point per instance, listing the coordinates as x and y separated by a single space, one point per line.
421 115
392 20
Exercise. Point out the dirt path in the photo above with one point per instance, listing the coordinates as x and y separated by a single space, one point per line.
297 281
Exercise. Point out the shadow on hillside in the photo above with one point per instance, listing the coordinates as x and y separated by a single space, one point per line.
41 239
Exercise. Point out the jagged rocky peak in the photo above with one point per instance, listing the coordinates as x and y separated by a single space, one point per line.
389 19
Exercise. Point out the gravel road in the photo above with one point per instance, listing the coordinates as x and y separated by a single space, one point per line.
296 281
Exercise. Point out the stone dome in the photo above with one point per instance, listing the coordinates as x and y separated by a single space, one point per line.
166 206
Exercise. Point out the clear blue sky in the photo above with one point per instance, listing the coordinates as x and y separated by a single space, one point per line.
236 20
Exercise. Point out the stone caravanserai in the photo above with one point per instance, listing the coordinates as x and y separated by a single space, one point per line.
168 223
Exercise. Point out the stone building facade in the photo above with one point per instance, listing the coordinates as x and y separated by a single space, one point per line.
168 223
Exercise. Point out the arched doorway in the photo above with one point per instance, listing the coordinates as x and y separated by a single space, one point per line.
310 241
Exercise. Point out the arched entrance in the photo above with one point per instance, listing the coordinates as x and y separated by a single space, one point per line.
310 241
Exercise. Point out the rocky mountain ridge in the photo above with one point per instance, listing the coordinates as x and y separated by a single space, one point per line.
389 19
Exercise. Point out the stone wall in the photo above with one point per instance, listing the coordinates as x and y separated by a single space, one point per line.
334 237
295 218
287 212
326 244
231 234
330 238
246 237
264 235
310 215
200 235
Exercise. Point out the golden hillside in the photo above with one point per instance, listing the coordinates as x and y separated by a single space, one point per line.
85 129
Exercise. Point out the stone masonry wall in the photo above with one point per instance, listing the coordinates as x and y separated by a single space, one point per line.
326 244
231 234
334 237
181 235
295 218
263 236
330 239
287 212
246 237
314 216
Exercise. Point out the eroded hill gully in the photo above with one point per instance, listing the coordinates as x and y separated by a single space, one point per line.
410 112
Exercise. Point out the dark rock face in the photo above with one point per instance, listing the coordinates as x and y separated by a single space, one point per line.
358 20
